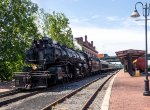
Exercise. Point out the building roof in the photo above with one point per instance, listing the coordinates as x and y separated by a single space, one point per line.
86 43
123 55
100 55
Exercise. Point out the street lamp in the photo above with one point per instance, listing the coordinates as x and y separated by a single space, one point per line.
146 11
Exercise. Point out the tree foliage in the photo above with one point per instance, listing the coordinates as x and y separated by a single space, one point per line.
17 28
57 26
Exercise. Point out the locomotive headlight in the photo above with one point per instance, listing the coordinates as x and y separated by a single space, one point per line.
90 63
34 66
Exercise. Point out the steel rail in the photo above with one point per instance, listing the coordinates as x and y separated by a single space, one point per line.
8 93
91 99
15 99
17 91
49 107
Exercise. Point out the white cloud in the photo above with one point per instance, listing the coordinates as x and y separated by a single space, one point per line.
95 17
112 18
111 40
36 1
79 21
129 35
114 21
75 0
75 20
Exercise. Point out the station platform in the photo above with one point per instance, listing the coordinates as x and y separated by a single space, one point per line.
127 93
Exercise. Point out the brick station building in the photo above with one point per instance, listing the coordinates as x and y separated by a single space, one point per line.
87 47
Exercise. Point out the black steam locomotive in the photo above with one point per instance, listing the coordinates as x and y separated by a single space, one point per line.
49 63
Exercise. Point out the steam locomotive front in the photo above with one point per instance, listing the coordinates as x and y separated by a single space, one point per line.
39 56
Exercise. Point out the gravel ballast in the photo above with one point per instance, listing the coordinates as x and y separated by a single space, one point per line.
41 100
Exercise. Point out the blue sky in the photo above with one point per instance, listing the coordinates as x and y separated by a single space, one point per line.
106 22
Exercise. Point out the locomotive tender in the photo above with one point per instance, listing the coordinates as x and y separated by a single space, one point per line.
50 63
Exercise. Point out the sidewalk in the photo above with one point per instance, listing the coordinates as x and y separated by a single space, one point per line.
127 93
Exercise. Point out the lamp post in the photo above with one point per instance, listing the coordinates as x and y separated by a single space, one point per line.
146 11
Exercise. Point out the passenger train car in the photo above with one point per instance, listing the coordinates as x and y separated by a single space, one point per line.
49 63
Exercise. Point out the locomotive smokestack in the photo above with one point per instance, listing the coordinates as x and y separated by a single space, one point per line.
85 38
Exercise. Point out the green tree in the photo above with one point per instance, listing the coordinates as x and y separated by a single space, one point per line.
57 26
17 29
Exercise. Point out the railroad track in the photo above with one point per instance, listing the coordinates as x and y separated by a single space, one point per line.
62 102
16 95
19 94
8 93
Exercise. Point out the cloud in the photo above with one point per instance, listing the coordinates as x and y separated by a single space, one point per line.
70 0
112 18
75 0
109 22
79 21
82 20
111 40
128 34
36 1
95 16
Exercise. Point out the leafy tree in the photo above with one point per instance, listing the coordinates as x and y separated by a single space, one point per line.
17 29
57 26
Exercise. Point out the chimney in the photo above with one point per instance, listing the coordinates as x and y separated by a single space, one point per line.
82 39
85 38
92 43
